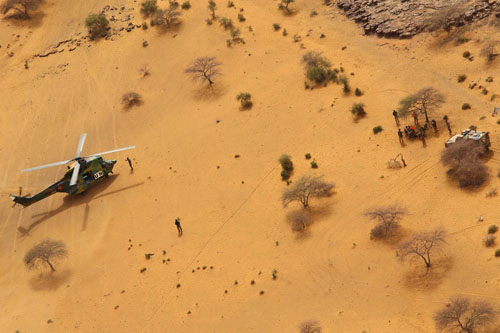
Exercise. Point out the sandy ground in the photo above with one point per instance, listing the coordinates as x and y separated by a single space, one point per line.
230 207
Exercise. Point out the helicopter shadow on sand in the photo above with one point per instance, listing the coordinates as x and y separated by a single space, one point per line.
71 201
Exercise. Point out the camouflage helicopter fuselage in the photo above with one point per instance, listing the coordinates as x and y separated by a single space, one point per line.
92 170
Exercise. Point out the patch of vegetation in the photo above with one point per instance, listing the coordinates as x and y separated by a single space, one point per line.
377 129
358 92
466 106
305 188
131 99
313 13
492 229
464 159
461 78
46 252
314 165
186 5
276 26
22 7
489 241
97 24
149 7
388 220
241 18
466 54
307 156
226 22
284 5
358 110
343 80
245 100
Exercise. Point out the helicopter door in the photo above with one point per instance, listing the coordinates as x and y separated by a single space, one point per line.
87 177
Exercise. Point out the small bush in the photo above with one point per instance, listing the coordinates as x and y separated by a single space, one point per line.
97 24
461 78
492 229
377 129
466 54
208 21
241 18
497 253
489 240
358 110
316 74
317 67
286 162
245 100
314 165
310 326
149 7
276 26
358 92
131 99
186 5
307 156
345 82
285 174
230 4
226 22
313 13
284 33
466 106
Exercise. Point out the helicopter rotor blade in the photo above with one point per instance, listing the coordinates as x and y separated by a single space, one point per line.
80 144
113 151
74 176
46 166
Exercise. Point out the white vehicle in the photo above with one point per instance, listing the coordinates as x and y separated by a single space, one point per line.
481 138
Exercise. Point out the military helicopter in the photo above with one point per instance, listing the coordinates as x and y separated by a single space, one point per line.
87 171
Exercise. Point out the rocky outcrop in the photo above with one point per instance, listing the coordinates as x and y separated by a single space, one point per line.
405 18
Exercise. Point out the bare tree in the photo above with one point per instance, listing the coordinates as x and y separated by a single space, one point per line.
305 188
425 101
21 6
464 159
310 326
388 220
47 251
204 68
166 17
460 315
423 245
299 220
441 18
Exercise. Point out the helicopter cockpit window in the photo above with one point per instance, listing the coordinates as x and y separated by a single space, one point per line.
87 177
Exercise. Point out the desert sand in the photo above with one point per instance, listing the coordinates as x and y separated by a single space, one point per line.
234 223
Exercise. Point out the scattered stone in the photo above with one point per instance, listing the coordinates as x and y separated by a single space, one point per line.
145 43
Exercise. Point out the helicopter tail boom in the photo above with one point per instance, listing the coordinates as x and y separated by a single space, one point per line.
26 200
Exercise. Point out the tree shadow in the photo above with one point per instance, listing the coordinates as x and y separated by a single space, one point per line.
71 201
207 92
49 280
20 20
427 279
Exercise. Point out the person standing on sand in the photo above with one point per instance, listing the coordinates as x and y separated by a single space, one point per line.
396 117
445 118
434 125
421 132
178 225
400 135
402 160
130 164
415 118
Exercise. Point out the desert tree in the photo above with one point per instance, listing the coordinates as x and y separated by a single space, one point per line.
204 69
131 99
284 5
46 252
310 326
488 50
212 6
97 24
21 6
425 101
388 220
423 245
464 160
149 7
460 315
299 220
441 18
305 188
166 17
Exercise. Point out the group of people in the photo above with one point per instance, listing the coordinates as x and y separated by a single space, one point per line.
412 131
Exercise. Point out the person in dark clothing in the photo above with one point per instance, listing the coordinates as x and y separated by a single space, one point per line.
449 127
434 125
396 117
403 160
178 225
421 133
400 135
130 164
415 118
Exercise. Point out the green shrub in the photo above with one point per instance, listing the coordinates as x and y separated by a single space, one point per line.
313 13
186 5
241 18
230 4
466 106
149 7
245 100
317 67
316 74
284 33
461 78
492 229
226 22
97 24
377 129
314 165
358 110
286 162
358 92
285 175
345 82
307 156
208 21
276 26
466 54
497 253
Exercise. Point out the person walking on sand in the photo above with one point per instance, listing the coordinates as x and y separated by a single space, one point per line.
130 164
178 225
445 118
396 117
402 160
400 135
421 132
